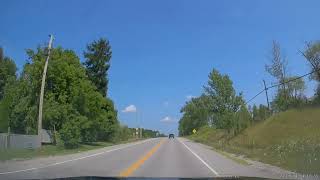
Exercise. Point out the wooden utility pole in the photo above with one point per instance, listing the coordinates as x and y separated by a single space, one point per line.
140 119
8 138
140 132
266 90
137 128
42 90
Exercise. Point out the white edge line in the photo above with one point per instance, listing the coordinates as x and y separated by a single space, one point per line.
196 155
70 160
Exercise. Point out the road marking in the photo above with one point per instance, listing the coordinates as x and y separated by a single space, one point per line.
196 155
70 160
127 172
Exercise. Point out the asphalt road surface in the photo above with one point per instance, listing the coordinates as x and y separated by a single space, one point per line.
159 157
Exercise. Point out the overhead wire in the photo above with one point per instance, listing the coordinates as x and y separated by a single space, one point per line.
279 84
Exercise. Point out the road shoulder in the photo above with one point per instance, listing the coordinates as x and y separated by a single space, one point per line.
227 166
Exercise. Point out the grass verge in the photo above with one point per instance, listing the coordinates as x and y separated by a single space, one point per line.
52 150
232 157
290 140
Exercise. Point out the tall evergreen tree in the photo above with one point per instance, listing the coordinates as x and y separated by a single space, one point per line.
97 63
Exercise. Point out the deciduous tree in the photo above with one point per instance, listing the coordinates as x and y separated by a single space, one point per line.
7 70
312 55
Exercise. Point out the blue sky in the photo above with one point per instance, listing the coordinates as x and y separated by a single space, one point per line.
164 50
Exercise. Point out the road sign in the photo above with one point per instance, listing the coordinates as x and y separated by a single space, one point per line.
194 131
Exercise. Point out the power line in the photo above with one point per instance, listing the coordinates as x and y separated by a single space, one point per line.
279 84
290 80
254 97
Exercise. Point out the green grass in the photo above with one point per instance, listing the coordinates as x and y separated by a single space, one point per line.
51 150
236 159
290 140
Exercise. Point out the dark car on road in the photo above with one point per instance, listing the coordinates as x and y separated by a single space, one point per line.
171 136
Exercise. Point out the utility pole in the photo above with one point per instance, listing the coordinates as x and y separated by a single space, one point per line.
266 89
140 125
137 128
42 90
140 133
8 138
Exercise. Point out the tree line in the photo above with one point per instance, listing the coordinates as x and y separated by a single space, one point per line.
220 106
76 105
125 133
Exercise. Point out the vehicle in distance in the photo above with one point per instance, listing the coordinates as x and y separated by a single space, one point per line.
171 136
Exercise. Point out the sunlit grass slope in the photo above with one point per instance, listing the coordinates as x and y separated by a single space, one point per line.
289 139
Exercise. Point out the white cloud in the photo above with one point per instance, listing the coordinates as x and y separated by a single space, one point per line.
130 109
167 119
189 97
166 104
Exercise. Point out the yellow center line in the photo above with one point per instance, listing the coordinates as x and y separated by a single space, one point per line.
127 172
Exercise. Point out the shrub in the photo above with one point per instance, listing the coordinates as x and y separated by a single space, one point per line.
70 133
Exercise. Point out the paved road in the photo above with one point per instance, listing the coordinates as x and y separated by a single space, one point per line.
158 157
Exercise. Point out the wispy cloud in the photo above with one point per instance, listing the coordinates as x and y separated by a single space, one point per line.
130 109
168 119
166 104
189 97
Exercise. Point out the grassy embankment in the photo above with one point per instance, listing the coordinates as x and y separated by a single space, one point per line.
290 140
51 150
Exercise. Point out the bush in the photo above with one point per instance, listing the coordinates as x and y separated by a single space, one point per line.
72 104
88 130
123 133
4 116
70 133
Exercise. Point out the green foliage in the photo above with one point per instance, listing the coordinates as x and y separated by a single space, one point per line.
1 53
289 139
7 76
224 100
48 150
312 55
70 132
7 70
4 115
316 99
97 63
290 97
295 87
278 69
72 103
217 107
148 133
196 114
255 113
124 133
260 113
243 119
18 109
290 91
221 92
75 102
